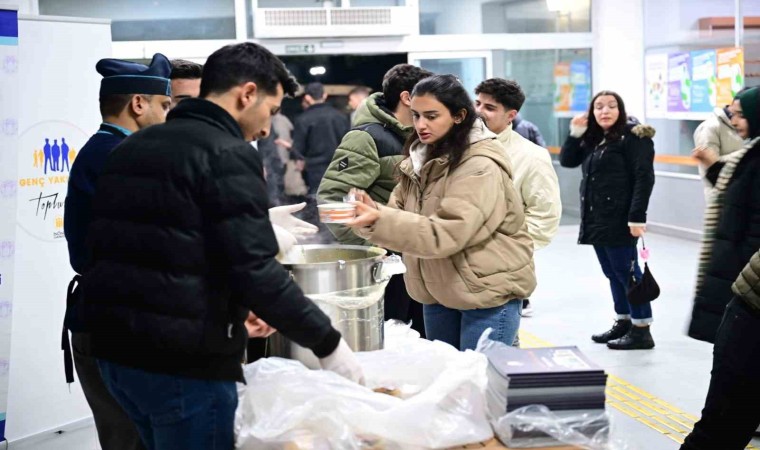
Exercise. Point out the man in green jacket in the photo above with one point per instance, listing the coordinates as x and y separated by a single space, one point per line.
367 158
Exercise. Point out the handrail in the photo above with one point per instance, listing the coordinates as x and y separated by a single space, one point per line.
676 160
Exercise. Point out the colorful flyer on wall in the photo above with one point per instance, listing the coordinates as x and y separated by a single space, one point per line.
657 83
679 83
730 74
562 87
580 82
704 83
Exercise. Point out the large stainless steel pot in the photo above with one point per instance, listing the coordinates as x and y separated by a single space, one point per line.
325 269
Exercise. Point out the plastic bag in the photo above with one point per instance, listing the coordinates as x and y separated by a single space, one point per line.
537 426
284 403
397 333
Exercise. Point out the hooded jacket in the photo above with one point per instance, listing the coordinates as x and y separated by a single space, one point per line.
717 134
618 178
365 159
732 226
536 181
462 231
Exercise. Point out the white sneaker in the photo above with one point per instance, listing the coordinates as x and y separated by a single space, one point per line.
527 309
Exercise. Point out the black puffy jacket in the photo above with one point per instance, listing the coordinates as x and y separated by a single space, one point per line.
182 249
736 239
618 178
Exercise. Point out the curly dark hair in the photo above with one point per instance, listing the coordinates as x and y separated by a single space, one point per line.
400 78
506 92
595 133
236 64
448 90
185 70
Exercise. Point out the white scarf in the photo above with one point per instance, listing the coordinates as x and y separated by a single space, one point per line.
418 154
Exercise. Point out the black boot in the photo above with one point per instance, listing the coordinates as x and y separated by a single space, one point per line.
639 338
618 330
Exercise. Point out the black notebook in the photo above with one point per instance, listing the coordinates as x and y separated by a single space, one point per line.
553 364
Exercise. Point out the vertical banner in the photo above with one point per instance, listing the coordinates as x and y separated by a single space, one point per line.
730 74
57 112
580 81
704 82
562 87
9 117
679 83
656 67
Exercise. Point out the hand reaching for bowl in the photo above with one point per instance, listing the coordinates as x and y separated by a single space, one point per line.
366 209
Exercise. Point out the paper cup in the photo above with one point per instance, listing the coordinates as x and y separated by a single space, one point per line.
336 212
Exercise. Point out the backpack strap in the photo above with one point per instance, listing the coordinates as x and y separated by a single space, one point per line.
387 142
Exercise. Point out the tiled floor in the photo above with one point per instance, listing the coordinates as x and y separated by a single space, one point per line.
654 395
573 302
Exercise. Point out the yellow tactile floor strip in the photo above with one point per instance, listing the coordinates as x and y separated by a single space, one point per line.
637 403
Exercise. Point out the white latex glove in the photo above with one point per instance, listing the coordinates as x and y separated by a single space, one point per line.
285 240
282 216
343 362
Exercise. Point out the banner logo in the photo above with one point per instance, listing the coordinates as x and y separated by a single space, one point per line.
47 151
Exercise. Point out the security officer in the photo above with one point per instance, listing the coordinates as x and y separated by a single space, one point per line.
132 97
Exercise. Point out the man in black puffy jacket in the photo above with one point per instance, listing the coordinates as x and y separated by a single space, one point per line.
317 133
182 250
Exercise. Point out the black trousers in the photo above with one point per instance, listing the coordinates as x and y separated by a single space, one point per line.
116 431
732 408
400 306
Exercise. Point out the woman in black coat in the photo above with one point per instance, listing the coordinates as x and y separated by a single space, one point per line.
732 220
732 238
617 158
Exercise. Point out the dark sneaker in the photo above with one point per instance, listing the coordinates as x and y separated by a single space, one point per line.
618 330
527 310
639 338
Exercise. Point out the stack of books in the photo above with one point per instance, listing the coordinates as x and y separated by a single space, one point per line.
560 378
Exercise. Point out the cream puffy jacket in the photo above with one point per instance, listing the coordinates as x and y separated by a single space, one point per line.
718 134
536 182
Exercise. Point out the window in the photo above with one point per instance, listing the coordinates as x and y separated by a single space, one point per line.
534 70
470 71
504 16
146 20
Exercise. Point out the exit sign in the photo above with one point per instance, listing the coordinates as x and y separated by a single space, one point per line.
300 49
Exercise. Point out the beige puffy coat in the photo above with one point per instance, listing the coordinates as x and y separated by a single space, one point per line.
462 232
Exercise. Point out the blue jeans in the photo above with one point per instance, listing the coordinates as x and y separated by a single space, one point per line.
174 413
462 328
616 265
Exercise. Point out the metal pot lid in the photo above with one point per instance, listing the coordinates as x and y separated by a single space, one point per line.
302 256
